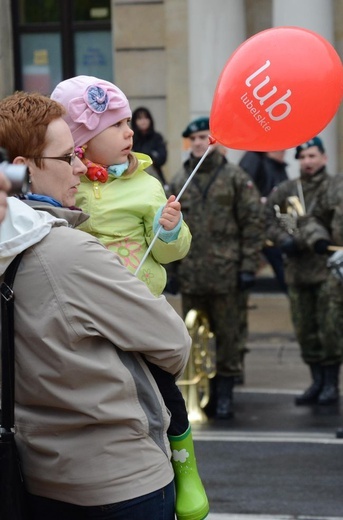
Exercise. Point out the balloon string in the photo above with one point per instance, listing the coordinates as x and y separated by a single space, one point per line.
177 198
194 172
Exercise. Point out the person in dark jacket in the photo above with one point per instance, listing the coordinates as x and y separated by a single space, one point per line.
267 170
147 140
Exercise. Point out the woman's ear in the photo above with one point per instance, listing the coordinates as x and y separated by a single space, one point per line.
20 160
23 161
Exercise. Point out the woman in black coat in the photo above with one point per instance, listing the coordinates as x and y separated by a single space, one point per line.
147 140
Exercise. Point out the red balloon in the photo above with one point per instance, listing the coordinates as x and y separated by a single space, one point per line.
279 89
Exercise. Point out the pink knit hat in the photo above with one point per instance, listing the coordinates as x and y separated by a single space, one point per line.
92 105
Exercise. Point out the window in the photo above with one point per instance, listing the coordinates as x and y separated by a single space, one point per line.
58 39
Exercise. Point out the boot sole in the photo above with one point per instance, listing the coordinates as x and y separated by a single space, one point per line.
199 514
306 403
328 403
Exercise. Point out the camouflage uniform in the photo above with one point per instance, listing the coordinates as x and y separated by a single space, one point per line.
305 271
327 224
223 211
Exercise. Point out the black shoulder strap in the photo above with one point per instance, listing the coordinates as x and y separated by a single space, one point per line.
7 345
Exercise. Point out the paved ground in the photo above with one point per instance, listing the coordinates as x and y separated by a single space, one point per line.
273 460
274 361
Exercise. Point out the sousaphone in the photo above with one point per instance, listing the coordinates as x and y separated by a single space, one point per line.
201 366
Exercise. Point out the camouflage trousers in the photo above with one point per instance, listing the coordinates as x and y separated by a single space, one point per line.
227 314
318 320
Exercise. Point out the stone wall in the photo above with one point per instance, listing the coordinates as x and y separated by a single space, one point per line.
151 64
154 50
6 50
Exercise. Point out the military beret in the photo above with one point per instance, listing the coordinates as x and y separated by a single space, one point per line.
316 141
198 125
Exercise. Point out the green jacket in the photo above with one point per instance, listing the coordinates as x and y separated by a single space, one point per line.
222 207
122 212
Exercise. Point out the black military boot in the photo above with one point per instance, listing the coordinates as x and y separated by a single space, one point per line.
210 407
330 390
310 396
224 408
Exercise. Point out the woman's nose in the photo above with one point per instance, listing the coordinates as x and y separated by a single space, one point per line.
79 167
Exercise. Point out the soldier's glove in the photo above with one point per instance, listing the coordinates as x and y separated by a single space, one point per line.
246 279
321 247
289 247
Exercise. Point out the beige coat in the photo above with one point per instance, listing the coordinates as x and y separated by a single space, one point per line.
91 421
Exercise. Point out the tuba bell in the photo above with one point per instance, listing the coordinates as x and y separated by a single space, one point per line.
201 366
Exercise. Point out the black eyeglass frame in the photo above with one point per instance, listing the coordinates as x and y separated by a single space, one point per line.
68 158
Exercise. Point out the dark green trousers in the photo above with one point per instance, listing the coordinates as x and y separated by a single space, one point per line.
318 320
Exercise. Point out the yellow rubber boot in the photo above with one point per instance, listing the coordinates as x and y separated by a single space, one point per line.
191 499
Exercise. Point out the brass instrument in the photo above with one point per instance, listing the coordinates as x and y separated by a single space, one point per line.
289 213
201 366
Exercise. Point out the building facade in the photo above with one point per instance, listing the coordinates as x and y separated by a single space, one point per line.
164 54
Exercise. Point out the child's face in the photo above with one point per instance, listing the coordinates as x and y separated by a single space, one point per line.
111 146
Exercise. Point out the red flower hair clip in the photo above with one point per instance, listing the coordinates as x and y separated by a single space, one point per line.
95 172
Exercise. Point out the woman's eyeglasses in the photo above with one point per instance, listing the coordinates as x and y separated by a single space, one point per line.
69 158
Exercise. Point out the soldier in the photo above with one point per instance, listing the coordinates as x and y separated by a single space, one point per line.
223 210
324 232
288 211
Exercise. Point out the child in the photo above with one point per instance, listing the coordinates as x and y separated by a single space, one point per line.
126 206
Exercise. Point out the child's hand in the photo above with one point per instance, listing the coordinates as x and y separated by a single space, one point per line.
171 214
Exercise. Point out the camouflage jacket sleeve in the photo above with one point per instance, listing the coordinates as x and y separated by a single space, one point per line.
250 220
314 230
327 220
318 226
